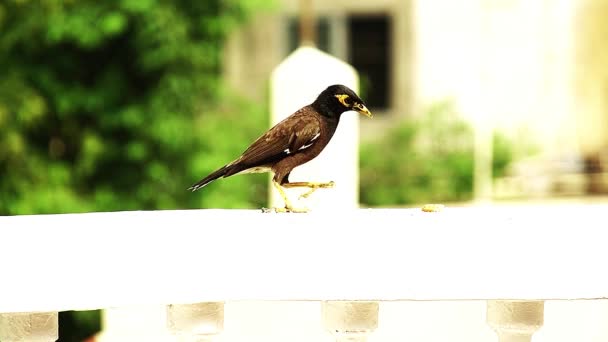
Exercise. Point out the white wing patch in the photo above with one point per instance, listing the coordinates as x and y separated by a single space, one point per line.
305 146
310 142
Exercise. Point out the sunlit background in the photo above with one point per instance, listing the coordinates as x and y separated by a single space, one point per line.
121 105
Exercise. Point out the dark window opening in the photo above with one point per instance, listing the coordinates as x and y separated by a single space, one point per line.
369 51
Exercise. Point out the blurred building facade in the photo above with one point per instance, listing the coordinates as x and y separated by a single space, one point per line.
536 70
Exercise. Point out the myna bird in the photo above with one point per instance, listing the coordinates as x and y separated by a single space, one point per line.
294 141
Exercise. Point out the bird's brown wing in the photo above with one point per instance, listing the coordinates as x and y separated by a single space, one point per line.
295 133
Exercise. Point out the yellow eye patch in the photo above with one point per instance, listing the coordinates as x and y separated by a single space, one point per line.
342 98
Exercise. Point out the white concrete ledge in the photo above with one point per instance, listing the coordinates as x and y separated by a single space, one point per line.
99 260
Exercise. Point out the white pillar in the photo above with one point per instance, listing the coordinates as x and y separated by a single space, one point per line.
134 323
590 76
199 322
515 321
296 82
350 321
29 326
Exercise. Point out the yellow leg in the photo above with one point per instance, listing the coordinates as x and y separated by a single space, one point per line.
312 185
288 207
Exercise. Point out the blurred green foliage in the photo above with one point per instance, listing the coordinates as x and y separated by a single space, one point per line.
425 160
118 105
78 326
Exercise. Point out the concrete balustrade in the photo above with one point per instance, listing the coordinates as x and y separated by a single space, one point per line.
515 321
350 321
29 326
198 322
519 255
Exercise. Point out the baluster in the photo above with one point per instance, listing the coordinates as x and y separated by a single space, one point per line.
515 321
29 326
199 322
350 321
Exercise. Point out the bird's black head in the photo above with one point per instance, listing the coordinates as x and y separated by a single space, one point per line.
337 99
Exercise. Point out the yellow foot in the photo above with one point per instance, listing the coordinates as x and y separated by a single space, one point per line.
290 209
314 186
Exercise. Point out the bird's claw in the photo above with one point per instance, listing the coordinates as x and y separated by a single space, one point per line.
307 193
329 184
315 186
289 209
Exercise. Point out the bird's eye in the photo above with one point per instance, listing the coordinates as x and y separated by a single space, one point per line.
343 100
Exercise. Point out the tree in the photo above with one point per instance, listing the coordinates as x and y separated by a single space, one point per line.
118 105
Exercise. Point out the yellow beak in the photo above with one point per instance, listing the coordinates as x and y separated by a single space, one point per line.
362 109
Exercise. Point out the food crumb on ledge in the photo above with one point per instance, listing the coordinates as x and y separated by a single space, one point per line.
432 208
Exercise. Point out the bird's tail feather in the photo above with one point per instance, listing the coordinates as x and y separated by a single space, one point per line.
221 172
